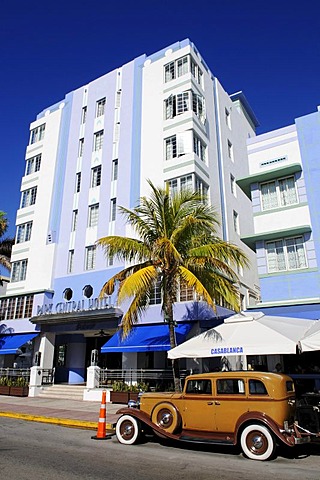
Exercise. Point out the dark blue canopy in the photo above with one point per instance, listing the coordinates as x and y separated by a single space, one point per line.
11 343
146 338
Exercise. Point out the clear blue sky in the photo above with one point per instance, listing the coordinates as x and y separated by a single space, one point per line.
268 49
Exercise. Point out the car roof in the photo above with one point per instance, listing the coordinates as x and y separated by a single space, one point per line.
241 374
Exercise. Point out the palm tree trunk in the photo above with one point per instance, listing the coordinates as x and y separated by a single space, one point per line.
173 343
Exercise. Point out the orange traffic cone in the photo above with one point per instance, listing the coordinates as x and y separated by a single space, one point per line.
101 433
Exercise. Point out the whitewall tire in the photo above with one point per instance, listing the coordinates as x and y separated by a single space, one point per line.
128 430
257 442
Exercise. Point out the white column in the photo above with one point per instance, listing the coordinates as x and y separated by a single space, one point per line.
35 381
93 376
46 348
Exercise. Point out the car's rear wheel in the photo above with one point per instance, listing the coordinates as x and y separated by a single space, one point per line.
167 417
257 442
128 430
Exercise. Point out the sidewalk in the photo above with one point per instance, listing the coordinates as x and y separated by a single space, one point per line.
69 413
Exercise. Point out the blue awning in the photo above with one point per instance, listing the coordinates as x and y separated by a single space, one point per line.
148 338
11 343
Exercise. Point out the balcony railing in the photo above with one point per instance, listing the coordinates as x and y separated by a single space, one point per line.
139 375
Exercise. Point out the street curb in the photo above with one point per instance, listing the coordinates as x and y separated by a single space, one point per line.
64 422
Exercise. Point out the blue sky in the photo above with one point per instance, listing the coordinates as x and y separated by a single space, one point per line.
268 49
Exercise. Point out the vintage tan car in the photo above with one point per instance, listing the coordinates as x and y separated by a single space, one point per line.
253 409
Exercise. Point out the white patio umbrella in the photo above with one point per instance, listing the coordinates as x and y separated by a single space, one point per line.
311 340
246 334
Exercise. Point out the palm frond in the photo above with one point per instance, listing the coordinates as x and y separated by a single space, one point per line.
123 248
138 282
194 282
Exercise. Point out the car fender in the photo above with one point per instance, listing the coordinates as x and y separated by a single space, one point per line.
254 417
146 420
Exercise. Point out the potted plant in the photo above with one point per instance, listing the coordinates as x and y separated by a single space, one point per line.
5 386
19 387
122 392
119 392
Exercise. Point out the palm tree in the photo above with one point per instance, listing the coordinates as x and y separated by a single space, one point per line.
5 243
176 243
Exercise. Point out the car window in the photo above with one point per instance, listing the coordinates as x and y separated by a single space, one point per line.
230 386
199 387
256 387
290 386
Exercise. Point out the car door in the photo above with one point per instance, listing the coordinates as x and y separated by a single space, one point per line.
198 406
230 403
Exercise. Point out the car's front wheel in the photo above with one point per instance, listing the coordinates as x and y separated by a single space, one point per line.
128 430
257 442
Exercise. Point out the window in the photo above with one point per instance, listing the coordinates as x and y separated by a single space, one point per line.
169 72
199 387
171 147
173 186
230 150
37 134
196 71
227 117
278 193
28 197
81 145
199 147
118 99
28 306
113 209
186 183
286 254
83 115
114 169
230 386
67 294
236 222
198 106
19 271
233 185
23 232
93 215
190 182
256 387
180 67
110 261
156 297
16 307
96 176
184 102
98 140
70 261
78 182
178 145
33 164
100 107
186 293
74 220
90 261
201 188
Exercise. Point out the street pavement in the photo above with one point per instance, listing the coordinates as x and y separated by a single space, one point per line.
69 413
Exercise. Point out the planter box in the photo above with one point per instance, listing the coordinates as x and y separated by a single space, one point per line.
119 397
133 396
123 397
19 391
4 390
